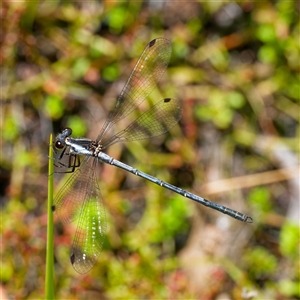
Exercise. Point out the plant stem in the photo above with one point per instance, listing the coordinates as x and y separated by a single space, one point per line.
49 281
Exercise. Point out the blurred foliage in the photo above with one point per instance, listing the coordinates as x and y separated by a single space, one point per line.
235 67
260 262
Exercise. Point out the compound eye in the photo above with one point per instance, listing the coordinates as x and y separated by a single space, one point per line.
59 145
67 131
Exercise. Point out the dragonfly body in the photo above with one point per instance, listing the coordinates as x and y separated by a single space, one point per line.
80 197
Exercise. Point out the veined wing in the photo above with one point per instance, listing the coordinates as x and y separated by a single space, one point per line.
146 73
156 121
91 227
68 201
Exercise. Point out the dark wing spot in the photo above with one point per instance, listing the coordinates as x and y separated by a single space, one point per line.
152 43
167 100
53 207
72 258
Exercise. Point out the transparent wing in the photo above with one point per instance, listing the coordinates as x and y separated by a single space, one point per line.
146 73
91 227
68 201
156 121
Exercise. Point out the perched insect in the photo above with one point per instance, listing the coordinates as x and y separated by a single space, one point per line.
80 197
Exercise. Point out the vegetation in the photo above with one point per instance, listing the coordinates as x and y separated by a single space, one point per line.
234 66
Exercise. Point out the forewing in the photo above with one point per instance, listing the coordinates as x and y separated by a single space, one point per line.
146 73
156 121
90 230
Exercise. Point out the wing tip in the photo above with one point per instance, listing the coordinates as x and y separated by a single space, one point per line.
152 43
72 258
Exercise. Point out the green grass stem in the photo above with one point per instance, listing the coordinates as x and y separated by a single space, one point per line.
49 281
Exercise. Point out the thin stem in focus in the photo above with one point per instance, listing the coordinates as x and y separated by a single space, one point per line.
49 282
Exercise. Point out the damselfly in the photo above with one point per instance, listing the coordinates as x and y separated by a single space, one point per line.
80 197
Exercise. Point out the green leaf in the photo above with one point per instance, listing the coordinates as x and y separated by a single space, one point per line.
266 33
11 131
236 99
289 240
80 67
289 288
118 17
77 125
260 262
260 198
54 106
203 113
7 270
223 118
180 49
267 54
111 72
220 60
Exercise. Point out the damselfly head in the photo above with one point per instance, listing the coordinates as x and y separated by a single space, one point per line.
60 138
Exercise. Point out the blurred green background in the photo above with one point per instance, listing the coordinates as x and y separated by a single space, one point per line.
235 68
